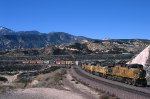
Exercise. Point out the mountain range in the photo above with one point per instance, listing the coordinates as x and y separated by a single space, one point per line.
10 39
64 43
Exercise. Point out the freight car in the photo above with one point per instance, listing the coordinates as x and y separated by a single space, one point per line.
64 62
36 62
132 74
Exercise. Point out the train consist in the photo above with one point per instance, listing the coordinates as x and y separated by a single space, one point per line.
57 61
36 62
132 74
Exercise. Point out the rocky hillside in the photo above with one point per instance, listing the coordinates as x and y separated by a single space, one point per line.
112 46
10 39
58 43
84 47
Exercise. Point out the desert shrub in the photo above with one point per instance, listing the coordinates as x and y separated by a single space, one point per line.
3 79
3 89
25 78
107 96
51 79
104 96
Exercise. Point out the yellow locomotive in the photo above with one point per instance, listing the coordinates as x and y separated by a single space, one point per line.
128 73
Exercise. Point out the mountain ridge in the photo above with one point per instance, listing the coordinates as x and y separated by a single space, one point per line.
10 39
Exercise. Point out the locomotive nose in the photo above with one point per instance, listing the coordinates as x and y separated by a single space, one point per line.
142 73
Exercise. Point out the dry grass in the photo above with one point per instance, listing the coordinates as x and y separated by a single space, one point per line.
50 79
5 88
24 80
106 96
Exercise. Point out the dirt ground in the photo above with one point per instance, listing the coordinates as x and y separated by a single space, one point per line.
53 85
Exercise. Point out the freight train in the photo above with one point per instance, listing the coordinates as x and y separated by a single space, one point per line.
132 74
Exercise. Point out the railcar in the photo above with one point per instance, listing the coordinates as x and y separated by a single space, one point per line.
128 73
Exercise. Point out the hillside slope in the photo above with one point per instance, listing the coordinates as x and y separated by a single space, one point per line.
10 39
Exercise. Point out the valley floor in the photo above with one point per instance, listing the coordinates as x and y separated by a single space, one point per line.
47 86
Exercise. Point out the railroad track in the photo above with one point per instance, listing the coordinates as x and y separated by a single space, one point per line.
119 89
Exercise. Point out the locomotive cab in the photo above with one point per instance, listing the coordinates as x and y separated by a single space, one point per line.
138 74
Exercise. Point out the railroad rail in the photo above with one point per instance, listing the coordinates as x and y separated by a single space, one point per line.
121 90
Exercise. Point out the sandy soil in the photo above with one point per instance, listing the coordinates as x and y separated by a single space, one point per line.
41 93
40 89
72 85
11 79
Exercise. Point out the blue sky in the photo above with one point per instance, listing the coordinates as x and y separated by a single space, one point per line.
91 18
